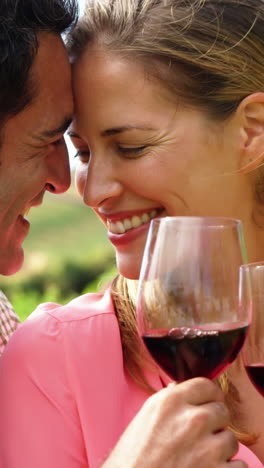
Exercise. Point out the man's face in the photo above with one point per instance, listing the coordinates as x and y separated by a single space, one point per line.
33 155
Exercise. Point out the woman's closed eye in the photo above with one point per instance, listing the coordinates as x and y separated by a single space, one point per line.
83 156
131 151
126 151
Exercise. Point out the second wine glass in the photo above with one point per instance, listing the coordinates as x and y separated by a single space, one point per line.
252 275
188 306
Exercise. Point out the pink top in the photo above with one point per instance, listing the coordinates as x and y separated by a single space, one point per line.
64 396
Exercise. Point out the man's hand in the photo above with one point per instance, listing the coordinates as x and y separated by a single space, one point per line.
181 426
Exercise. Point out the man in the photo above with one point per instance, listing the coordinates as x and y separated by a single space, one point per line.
35 110
8 321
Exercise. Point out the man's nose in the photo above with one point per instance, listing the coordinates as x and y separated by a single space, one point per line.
59 175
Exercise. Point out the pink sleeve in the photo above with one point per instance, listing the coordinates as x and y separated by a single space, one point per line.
247 456
39 421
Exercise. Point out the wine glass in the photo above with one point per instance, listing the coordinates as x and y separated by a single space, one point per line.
188 307
253 300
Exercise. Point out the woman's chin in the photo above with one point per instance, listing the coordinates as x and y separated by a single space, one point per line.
129 268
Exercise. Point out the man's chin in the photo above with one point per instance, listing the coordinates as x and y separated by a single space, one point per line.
11 263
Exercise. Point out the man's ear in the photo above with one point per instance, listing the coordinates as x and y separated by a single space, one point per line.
251 117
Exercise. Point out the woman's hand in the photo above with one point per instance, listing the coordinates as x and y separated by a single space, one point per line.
182 426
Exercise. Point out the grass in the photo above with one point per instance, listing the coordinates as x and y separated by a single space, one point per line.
65 228
63 231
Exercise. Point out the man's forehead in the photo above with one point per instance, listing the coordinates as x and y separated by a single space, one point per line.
51 75
49 113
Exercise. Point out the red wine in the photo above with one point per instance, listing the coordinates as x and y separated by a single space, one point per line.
256 375
184 353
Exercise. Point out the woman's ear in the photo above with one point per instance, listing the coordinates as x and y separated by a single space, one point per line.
251 117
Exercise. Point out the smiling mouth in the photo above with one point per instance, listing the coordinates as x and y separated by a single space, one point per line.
36 201
124 225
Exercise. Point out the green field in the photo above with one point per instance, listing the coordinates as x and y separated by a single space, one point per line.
64 228
66 252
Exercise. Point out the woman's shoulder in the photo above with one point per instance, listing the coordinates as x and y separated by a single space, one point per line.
53 329
81 308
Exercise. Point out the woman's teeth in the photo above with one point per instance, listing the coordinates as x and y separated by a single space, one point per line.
120 227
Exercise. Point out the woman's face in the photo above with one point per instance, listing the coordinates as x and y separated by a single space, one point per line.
142 154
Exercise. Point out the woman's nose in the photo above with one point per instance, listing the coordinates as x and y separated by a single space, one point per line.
102 183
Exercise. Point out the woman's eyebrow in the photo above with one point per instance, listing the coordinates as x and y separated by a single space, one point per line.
113 131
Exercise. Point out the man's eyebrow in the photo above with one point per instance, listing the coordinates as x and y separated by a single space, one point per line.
56 131
114 130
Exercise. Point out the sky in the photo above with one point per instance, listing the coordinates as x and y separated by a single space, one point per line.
81 4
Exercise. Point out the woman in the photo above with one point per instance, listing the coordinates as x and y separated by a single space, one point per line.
175 91
145 150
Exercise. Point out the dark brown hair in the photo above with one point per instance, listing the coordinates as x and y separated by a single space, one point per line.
20 23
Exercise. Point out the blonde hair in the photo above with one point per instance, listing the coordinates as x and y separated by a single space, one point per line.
209 53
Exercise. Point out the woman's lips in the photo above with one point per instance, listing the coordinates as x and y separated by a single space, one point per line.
119 240
138 228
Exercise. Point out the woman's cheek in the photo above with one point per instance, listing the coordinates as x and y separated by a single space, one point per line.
80 178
